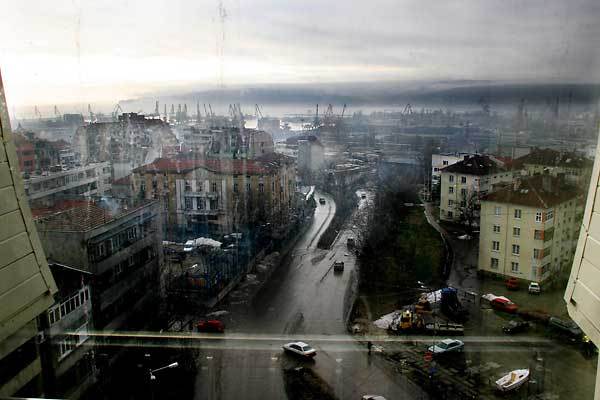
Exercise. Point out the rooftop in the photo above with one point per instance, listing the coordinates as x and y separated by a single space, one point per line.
261 165
80 216
474 165
540 191
553 158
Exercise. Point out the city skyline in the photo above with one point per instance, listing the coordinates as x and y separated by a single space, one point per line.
68 51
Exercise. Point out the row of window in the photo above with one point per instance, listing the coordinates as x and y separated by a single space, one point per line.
517 213
72 303
514 266
463 191
463 179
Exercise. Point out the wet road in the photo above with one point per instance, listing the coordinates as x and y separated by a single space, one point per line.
305 300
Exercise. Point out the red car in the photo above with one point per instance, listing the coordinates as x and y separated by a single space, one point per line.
512 284
505 305
211 325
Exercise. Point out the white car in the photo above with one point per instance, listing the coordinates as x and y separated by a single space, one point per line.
300 348
447 345
534 288
188 246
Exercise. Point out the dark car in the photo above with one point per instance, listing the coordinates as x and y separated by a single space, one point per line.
515 327
211 325
567 327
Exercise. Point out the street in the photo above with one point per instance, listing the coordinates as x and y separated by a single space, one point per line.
304 300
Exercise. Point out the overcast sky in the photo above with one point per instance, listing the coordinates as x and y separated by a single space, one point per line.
82 51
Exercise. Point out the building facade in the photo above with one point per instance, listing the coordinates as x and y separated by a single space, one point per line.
26 283
442 160
218 195
50 187
529 229
463 183
121 248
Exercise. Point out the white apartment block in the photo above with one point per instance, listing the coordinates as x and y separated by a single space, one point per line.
443 160
529 229
465 182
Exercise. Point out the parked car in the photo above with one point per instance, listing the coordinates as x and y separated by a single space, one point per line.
446 346
322 200
534 288
188 246
338 266
512 284
500 304
210 325
565 326
300 348
515 327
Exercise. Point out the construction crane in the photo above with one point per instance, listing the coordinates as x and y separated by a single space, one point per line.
343 111
117 111
92 116
407 109
259 114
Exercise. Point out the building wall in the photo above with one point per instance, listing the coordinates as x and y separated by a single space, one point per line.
439 161
538 259
26 283
577 176
456 188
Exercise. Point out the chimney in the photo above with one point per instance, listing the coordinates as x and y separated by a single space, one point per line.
516 184
547 183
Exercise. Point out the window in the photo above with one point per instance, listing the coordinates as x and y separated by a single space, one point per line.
495 245
494 263
261 187
463 179
497 211
538 254
188 203
451 189
463 192
214 186
496 228
514 266
451 178
517 213
516 249
248 187
188 186
235 187
538 235
549 214
538 216
516 231
445 162
450 202
450 214
200 204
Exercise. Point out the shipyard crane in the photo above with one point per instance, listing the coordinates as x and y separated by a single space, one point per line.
316 121
259 114
57 113
343 111
36 112
92 115
198 116
407 109
117 110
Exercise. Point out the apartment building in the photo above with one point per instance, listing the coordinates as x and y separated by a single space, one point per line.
26 283
442 160
463 183
120 247
49 187
529 229
67 358
576 168
218 195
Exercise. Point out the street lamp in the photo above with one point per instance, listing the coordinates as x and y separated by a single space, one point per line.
152 371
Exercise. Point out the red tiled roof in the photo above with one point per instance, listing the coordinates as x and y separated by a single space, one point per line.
223 166
59 206
553 158
533 192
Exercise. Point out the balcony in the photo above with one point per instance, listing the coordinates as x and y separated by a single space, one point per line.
206 195
203 212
